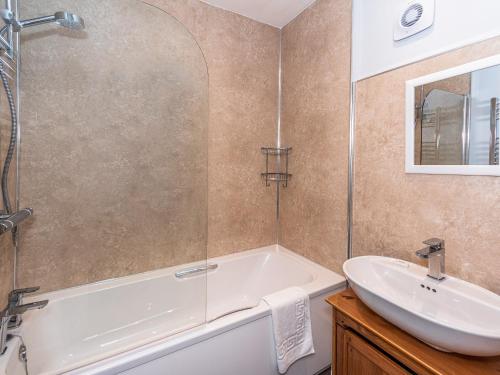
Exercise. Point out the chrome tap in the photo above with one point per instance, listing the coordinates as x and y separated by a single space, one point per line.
9 222
11 316
434 253
16 306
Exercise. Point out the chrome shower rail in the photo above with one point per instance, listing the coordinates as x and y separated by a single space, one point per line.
7 33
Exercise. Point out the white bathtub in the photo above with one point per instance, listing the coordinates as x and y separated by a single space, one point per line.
132 325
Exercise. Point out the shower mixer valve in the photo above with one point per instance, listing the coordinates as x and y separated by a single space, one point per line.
9 222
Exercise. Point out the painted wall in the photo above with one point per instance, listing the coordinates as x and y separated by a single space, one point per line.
394 211
276 13
315 122
102 213
457 23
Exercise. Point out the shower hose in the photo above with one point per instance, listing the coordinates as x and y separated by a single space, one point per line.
12 143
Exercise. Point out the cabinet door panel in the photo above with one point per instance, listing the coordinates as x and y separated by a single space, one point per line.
361 358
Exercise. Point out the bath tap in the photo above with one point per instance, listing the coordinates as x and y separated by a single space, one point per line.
11 316
16 296
17 308
434 253
21 309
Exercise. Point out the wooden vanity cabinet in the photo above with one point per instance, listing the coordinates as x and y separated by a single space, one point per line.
359 357
366 344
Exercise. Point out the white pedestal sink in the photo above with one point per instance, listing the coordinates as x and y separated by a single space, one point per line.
451 315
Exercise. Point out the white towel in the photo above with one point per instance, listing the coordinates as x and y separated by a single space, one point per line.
291 325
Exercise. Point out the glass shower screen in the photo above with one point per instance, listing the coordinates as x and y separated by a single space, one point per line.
114 126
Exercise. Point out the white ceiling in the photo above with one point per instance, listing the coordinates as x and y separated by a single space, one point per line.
277 13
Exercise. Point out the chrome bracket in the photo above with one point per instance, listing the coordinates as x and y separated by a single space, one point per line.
23 353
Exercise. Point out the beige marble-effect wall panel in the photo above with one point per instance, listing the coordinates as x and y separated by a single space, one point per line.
242 57
393 211
61 248
6 269
315 122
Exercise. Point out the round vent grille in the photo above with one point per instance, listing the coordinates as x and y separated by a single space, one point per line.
412 15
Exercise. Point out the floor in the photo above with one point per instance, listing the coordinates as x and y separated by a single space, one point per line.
326 372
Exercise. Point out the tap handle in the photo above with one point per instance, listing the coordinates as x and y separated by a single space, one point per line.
20 216
16 294
435 243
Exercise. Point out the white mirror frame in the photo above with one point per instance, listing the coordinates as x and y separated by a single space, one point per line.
411 167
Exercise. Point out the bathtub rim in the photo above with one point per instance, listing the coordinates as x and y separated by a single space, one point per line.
324 281
81 290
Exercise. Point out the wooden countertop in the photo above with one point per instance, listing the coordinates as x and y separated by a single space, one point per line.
433 360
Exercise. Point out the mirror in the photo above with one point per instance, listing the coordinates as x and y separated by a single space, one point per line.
453 120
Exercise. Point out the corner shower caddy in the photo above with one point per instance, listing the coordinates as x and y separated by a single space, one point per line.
281 154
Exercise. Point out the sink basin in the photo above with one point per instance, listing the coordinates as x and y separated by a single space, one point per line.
450 315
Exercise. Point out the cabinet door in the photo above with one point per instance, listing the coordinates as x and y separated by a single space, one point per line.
361 358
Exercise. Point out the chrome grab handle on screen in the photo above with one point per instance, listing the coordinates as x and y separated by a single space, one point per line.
195 270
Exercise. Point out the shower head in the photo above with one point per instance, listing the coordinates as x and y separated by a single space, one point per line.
13 24
64 19
69 20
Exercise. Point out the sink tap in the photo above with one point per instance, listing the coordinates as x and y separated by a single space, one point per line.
10 317
434 253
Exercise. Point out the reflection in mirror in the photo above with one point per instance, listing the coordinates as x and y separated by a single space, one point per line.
457 119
